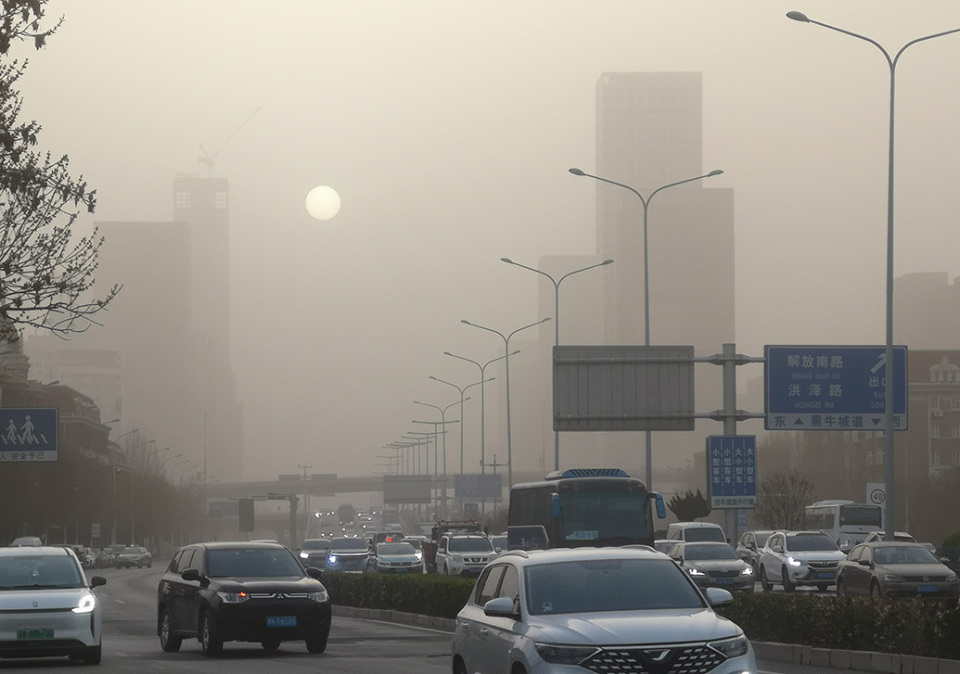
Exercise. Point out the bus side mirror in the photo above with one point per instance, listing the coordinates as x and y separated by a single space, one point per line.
661 509
556 510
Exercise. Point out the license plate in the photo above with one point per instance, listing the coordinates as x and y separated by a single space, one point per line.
825 574
724 581
35 633
282 621
926 588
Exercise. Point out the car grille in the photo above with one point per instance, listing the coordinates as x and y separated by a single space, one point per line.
723 574
826 566
475 560
925 579
278 595
682 660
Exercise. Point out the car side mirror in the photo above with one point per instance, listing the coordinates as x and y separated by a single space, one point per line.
718 597
190 574
777 548
502 607
313 572
863 562
97 581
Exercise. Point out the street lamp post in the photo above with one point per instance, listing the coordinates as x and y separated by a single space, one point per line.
556 319
442 423
648 441
462 390
506 357
888 389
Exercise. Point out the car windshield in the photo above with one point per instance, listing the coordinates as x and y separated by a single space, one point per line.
395 549
131 551
415 543
762 537
703 534
474 544
252 563
315 545
905 554
698 552
608 585
39 572
348 544
810 542
499 542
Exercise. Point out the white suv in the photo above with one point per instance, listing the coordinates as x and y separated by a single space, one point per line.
792 558
597 609
464 554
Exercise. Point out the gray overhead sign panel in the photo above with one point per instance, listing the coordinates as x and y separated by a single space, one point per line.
623 388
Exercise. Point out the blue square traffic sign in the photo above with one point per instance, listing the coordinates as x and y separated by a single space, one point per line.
732 471
28 434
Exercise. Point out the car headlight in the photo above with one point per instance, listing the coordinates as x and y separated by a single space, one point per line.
892 578
694 571
792 561
747 571
304 554
233 597
564 655
332 559
456 559
87 603
951 577
731 648
319 597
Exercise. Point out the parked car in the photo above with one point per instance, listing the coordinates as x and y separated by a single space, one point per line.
47 607
901 536
713 564
748 548
347 554
594 609
26 541
792 558
695 531
896 569
134 555
397 557
259 592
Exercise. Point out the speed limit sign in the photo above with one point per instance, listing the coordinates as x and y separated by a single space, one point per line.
876 493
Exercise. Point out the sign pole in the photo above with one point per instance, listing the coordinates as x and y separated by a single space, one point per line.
730 420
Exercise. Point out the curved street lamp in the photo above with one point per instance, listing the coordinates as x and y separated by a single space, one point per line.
556 315
462 400
645 201
506 357
888 411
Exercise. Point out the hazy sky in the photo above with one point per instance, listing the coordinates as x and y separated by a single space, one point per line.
447 128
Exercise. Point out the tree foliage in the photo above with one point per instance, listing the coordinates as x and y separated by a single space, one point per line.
46 272
689 506
781 499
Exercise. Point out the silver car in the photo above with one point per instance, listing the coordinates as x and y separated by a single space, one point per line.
597 609
897 569
397 558
712 564
47 607
792 558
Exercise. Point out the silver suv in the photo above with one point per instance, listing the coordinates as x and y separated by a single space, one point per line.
599 609
792 558
464 554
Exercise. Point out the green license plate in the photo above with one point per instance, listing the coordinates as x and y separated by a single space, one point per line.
35 633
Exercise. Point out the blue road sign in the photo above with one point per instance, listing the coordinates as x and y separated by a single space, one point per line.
732 471
832 388
28 434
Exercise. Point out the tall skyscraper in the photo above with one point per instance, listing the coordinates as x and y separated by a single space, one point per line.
649 134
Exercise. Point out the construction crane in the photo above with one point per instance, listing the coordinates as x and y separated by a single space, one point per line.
209 159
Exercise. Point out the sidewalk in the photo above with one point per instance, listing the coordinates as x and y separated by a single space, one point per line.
861 661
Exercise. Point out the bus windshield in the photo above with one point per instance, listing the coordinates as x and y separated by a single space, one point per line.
603 512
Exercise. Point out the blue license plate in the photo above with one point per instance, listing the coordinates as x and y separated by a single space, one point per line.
724 581
282 621
926 588
825 574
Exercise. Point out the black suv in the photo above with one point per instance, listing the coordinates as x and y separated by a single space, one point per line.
259 592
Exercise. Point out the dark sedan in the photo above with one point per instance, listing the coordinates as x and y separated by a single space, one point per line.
714 564
896 569
259 592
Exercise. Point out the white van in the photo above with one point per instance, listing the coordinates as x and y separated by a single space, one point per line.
695 532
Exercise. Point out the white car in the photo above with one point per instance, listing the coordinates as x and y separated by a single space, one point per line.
463 554
595 609
792 558
47 608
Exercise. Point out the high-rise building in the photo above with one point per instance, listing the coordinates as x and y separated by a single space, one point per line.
649 134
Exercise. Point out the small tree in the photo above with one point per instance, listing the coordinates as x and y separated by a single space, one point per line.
688 507
45 274
781 500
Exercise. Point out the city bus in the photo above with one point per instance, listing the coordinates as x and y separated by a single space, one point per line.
582 507
846 522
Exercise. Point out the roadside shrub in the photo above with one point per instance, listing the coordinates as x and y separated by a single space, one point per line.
430 594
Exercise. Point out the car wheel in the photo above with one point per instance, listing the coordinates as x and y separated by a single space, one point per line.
168 642
91 656
211 643
270 644
458 666
317 644
150 564
875 590
764 581
785 580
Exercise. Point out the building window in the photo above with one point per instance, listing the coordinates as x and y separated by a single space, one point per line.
220 201
955 403
955 430
934 403
181 201
935 457
934 430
